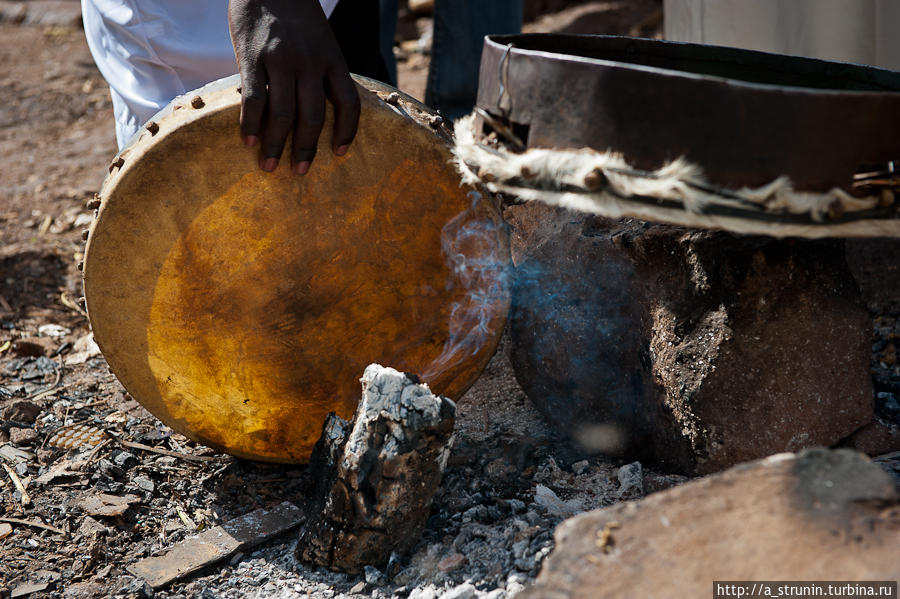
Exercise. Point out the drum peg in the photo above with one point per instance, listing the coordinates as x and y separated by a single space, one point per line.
393 99
85 234
152 127
886 199
835 209
197 102
81 265
436 121
486 176
117 163
94 202
595 180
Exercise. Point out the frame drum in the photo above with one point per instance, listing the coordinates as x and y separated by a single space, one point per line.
241 307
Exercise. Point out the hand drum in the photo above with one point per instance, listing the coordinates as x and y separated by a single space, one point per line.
241 307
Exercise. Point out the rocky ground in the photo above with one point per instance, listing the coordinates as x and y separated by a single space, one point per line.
92 483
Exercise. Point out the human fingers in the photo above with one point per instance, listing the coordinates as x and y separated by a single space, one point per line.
279 117
310 94
253 102
343 95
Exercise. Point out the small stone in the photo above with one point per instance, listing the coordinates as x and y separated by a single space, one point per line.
107 468
452 562
393 565
359 588
427 592
463 591
515 583
23 411
23 590
476 513
143 483
126 460
374 576
631 479
22 436
90 527
499 469
138 588
526 563
580 467
516 506
519 548
890 401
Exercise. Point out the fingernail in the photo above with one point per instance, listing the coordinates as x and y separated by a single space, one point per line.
268 164
251 140
341 150
301 168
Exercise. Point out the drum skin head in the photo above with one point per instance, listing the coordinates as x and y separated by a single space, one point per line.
241 307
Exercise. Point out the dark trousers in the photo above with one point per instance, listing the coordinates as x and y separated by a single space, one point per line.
356 25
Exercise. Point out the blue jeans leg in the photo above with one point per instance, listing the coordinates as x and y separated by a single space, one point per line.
388 32
459 30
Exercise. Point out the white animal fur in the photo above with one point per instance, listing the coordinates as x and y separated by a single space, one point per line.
557 177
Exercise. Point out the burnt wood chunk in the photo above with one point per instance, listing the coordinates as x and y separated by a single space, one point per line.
377 474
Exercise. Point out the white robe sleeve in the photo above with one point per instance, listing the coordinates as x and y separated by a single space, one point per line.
150 51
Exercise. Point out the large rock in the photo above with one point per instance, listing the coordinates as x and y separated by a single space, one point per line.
696 349
876 265
819 515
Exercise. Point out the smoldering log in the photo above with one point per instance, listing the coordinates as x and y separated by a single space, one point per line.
377 474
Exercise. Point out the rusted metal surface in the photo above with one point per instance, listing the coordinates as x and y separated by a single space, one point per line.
746 117
216 544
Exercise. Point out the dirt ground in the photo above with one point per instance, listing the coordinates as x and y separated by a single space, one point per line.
93 507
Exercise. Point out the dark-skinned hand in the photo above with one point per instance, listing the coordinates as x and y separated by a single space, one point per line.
290 62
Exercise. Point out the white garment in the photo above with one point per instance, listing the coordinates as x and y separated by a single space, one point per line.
150 51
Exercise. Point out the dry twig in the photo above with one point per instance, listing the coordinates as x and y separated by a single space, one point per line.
26 499
157 450
68 303
90 457
33 525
